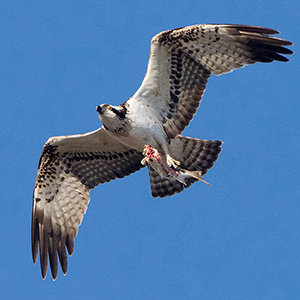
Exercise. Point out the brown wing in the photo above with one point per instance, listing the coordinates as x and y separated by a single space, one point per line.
69 167
194 155
181 61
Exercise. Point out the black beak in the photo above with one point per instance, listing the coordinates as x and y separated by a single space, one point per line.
99 109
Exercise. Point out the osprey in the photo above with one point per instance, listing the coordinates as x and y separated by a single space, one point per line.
144 130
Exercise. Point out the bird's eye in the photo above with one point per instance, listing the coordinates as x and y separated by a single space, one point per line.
108 107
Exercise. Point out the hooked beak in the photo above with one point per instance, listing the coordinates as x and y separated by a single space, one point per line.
99 109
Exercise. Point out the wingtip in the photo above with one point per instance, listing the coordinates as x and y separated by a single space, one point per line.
290 44
34 260
54 272
54 277
251 28
44 273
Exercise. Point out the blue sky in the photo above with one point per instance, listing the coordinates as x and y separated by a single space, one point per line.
239 239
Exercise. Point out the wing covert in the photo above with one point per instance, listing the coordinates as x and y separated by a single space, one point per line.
181 61
70 166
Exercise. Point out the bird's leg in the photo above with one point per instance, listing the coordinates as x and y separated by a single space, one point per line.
167 167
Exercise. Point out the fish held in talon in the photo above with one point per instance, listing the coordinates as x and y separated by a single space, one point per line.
180 64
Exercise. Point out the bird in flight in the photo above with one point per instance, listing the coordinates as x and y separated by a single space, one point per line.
143 131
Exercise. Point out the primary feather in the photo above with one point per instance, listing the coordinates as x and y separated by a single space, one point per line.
181 61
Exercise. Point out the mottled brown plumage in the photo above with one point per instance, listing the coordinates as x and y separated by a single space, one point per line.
181 61
69 167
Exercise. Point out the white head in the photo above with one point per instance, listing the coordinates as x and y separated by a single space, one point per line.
112 117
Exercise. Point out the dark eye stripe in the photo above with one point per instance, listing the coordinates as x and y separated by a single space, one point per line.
114 110
119 113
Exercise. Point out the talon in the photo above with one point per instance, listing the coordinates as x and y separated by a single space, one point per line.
160 162
144 161
172 162
168 167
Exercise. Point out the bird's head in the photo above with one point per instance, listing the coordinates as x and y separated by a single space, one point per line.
112 117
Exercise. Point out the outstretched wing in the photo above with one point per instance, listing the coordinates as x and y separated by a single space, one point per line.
181 61
69 167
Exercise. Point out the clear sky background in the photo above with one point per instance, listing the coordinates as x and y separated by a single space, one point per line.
239 239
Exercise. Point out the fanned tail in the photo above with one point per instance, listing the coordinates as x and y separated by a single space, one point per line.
196 157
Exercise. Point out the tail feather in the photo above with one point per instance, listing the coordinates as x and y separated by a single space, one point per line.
195 155
162 187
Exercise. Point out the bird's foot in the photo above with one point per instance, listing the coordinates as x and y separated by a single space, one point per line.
167 167
172 162
158 161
